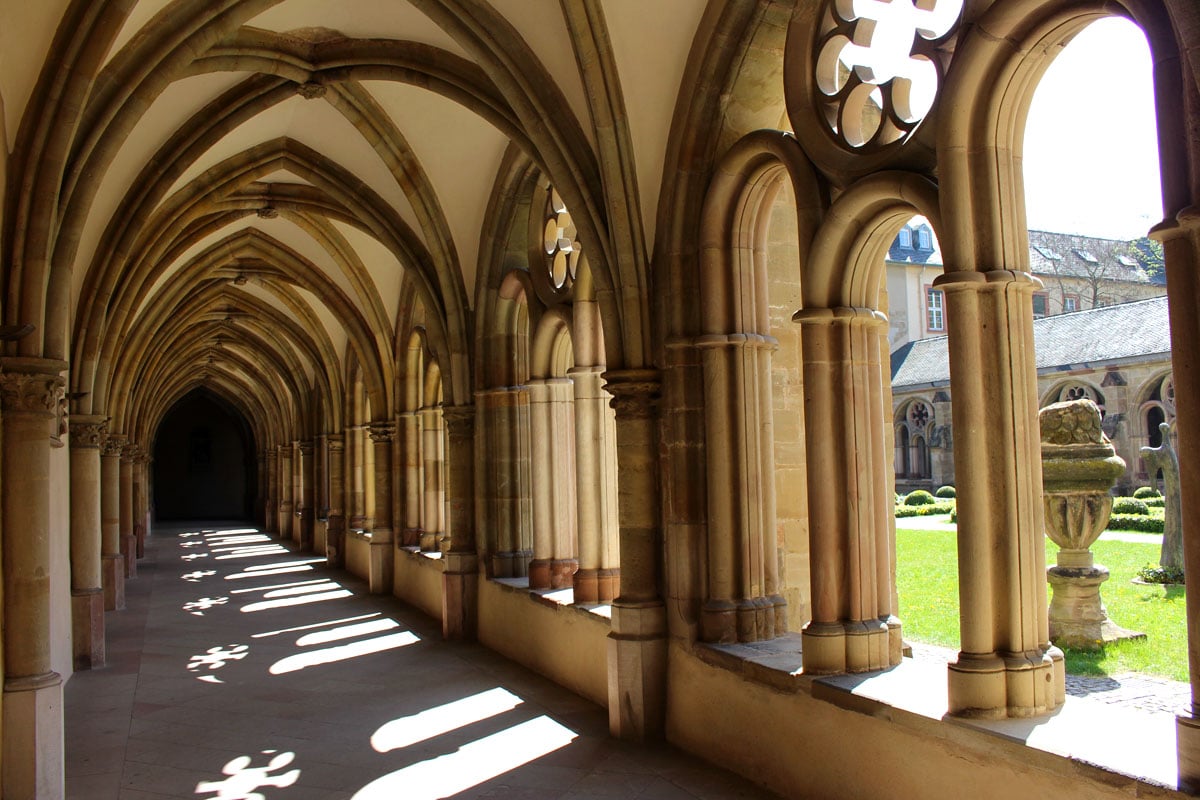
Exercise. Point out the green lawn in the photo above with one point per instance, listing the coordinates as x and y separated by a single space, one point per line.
927 581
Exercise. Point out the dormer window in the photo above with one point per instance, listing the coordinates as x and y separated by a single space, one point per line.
1086 256
906 238
924 239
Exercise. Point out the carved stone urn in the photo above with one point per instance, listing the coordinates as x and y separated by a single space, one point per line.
1079 468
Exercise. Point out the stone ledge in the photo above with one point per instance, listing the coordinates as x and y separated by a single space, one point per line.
556 599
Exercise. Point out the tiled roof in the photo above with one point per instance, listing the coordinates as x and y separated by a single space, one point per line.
1129 330
1070 255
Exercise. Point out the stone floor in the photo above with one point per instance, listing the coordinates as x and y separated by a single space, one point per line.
242 670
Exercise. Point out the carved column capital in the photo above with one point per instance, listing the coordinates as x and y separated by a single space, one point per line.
131 452
31 393
460 421
337 442
382 431
114 443
88 432
306 448
635 392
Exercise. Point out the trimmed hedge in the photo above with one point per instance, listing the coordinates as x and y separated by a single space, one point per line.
924 511
919 498
1155 502
1129 505
945 491
1135 522
1142 492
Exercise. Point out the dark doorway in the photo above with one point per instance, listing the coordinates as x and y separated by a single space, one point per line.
204 465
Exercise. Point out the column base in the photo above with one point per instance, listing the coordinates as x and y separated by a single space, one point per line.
113 574
129 553
87 628
557 573
593 586
428 542
33 737
1187 748
992 686
460 593
380 569
637 671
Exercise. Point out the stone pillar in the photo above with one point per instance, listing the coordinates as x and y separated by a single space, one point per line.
555 521
637 648
504 479
412 488
335 531
87 593
433 507
30 392
356 499
852 628
1181 249
271 511
110 523
460 581
1007 666
286 491
141 501
263 492
598 578
128 537
382 435
304 496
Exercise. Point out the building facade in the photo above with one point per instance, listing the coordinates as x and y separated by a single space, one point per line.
577 296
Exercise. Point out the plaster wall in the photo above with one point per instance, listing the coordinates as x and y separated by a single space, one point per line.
566 644
358 555
417 580
800 746
61 658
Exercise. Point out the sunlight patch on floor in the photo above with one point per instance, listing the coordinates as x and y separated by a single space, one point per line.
407 731
315 625
343 652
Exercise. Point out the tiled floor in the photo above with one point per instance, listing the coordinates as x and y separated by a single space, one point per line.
243 670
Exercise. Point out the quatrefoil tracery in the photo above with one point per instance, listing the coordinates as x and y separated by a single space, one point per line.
878 66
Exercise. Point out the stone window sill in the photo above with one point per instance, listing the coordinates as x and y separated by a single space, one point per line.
555 598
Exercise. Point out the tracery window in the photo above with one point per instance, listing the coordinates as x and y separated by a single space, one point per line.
560 242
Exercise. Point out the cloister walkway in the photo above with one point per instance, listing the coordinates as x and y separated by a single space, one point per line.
242 669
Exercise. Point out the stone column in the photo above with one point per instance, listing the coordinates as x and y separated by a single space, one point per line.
141 500
263 492
637 649
1007 666
30 392
304 496
271 511
852 628
598 579
506 508
356 500
335 531
87 594
555 521
320 476
433 508
382 435
1181 249
110 523
460 581
412 488
128 537
286 491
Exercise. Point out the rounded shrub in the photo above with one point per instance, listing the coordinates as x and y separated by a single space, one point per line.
919 498
1135 522
1130 505
945 491
1142 492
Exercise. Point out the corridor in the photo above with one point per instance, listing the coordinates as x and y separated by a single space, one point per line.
241 669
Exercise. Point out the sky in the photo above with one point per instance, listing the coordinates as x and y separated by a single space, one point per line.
1096 99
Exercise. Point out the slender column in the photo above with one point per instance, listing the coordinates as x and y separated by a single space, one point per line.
598 578
87 593
1181 249
304 496
335 532
637 650
1007 666
110 523
460 582
412 487
286 491
320 481
434 493
128 538
356 496
506 507
263 492
271 511
852 628
382 435
30 392
555 523
141 501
